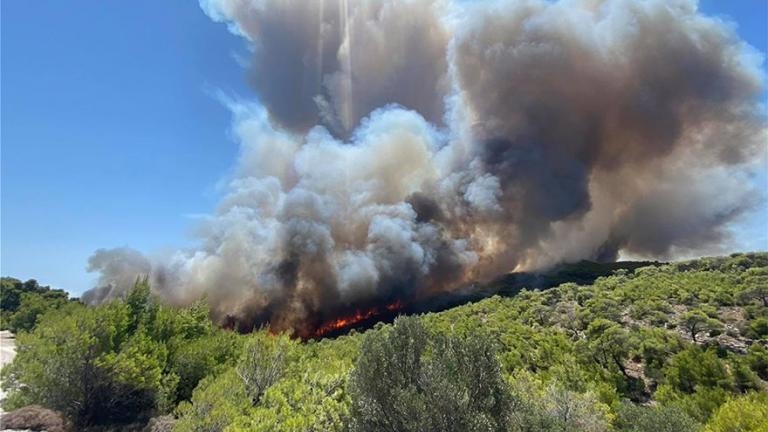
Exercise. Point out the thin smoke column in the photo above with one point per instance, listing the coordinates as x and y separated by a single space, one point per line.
403 148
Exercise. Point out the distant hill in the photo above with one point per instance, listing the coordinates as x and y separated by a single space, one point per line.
583 273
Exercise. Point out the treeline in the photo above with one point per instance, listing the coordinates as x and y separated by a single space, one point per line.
22 302
118 363
678 347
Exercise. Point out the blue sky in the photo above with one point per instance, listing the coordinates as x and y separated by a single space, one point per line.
111 136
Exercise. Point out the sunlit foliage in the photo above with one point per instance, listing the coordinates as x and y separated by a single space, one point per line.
660 348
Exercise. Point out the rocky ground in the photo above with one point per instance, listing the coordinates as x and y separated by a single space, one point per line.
7 353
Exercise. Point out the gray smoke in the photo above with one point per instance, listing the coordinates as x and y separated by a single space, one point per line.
402 148
336 61
118 269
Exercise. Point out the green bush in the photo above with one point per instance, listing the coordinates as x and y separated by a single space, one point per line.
759 326
748 413
215 404
664 418
22 303
116 363
559 359
695 367
405 380
544 408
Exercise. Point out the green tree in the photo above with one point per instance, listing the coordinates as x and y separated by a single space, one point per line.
463 386
191 360
312 401
759 326
696 321
699 405
22 302
110 364
58 364
748 413
12 289
216 403
757 289
656 346
31 307
139 302
263 362
694 367
664 418
609 346
553 408
385 382
757 359
406 381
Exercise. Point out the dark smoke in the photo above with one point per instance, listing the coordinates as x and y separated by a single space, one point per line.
404 148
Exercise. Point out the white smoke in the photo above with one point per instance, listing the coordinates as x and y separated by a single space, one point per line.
407 147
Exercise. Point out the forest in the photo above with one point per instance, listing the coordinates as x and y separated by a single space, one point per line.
664 347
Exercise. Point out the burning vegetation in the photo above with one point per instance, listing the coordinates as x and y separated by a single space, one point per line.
359 316
342 321
473 140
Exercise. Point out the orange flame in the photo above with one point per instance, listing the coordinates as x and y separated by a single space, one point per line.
354 318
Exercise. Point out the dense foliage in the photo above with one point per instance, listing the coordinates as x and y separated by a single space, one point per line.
408 380
678 347
116 363
21 303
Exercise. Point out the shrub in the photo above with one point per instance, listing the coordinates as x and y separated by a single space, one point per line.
695 367
215 404
109 364
748 413
263 362
536 407
664 418
405 380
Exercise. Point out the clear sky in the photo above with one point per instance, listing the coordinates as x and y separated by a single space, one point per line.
111 136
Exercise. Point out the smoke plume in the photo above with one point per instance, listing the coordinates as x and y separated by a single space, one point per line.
402 148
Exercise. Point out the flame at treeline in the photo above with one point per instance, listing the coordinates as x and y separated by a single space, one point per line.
340 323
359 315
473 139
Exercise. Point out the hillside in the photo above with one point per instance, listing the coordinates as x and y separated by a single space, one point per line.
663 347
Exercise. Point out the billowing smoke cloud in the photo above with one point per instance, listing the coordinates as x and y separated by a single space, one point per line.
336 61
118 269
401 148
